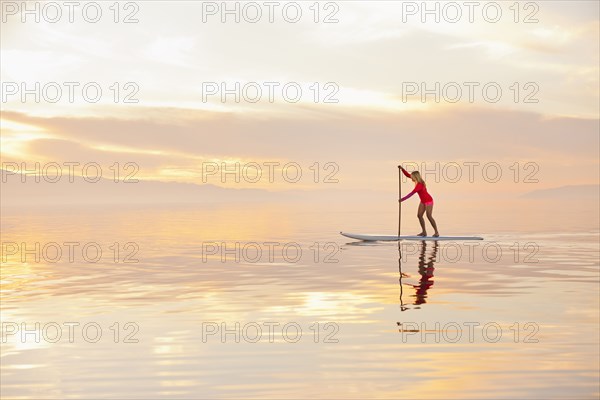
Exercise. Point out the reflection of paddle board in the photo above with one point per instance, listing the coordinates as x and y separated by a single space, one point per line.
394 238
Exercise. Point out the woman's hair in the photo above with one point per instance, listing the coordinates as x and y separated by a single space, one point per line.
417 176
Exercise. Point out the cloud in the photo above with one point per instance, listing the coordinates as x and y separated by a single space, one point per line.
363 144
219 134
369 49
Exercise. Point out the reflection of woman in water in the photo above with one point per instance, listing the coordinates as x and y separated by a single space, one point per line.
426 204
426 272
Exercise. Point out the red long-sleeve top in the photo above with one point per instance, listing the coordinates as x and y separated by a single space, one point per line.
420 189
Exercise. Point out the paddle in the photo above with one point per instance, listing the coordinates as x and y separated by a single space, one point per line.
399 197
402 308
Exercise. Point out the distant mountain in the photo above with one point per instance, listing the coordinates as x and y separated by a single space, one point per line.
574 192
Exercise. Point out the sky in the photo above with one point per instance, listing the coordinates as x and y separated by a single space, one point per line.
355 101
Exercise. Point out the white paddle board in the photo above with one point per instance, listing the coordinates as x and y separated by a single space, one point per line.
394 238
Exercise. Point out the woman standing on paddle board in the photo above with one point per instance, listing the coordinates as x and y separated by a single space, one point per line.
426 205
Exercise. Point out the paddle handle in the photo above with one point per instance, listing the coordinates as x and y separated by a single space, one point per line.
399 197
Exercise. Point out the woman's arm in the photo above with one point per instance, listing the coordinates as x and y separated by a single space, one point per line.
410 194
406 174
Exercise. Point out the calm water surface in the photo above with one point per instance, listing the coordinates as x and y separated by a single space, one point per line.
511 317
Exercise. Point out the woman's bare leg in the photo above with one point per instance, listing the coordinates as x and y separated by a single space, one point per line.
421 219
431 220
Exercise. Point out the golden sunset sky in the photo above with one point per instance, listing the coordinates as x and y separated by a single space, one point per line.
370 55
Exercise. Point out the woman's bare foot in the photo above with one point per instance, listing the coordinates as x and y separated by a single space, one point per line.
422 234
436 234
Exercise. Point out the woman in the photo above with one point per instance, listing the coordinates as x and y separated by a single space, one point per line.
426 204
